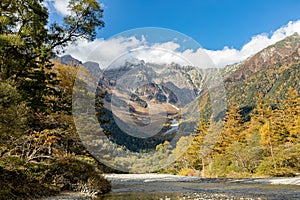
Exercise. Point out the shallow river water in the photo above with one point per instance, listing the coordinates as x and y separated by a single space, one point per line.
168 187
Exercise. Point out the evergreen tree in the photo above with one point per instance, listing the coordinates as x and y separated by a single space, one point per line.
26 44
292 115
37 133
196 153
13 115
232 131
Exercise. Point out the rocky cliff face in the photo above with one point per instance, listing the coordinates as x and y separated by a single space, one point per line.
275 56
172 83
69 60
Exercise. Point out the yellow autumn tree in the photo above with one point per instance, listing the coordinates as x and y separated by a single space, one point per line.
292 115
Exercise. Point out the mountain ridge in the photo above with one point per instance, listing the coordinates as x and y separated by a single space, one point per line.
272 55
269 73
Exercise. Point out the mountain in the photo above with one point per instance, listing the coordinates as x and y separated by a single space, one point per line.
273 57
69 60
162 82
130 89
93 67
183 94
269 73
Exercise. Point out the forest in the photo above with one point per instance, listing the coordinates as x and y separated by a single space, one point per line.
266 145
40 152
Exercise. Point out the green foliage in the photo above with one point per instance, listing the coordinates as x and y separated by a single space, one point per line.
85 16
78 173
37 132
26 45
20 180
24 56
13 111
219 165
35 180
284 163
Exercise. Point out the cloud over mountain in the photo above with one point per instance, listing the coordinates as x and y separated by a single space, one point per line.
129 48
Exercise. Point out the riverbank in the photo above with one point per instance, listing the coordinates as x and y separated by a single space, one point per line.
166 186
174 187
176 178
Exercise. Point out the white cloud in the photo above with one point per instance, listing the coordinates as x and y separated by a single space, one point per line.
107 51
257 43
121 49
167 45
159 56
104 51
199 58
61 7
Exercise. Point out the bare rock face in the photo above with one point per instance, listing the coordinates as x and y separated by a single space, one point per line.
162 83
93 68
69 60
274 56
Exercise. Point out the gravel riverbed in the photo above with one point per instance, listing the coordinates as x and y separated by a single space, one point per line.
175 178
173 187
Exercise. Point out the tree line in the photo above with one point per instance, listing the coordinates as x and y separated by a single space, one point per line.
266 145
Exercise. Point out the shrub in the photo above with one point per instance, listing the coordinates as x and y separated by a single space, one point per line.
35 180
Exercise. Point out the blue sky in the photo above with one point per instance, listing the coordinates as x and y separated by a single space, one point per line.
229 31
213 23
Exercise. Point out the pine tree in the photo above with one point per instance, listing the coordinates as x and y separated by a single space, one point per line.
232 131
196 153
27 43
292 115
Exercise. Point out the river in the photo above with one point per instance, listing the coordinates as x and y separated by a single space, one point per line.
169 187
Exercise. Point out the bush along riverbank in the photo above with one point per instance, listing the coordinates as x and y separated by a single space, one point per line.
20 180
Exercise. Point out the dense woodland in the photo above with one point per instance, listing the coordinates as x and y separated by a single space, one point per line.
41 153
265 145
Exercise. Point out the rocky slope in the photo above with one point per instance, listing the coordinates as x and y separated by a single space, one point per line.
268 73
273 57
